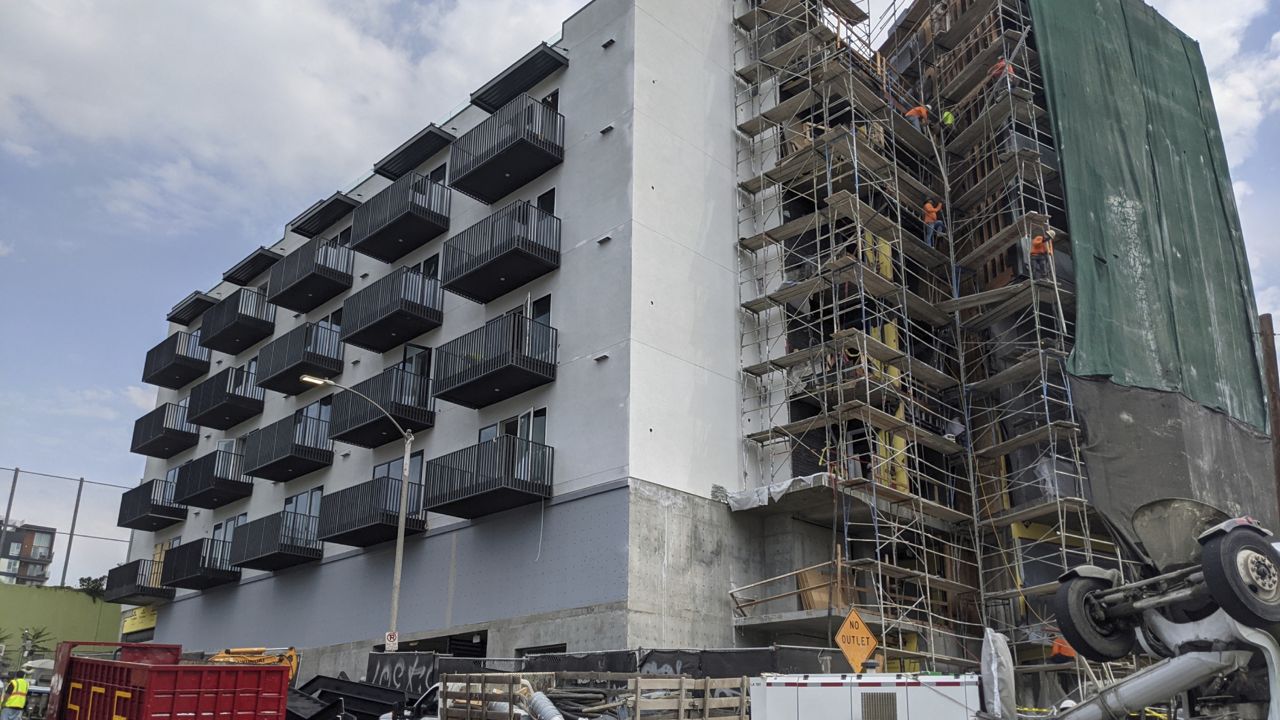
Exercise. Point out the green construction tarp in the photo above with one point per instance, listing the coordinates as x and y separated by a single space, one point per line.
1164 296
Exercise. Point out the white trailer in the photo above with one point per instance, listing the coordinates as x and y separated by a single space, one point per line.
864 697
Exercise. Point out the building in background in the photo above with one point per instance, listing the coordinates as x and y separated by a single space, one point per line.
51 615
26 554
685 366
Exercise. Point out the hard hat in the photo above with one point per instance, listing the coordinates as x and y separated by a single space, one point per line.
1051 234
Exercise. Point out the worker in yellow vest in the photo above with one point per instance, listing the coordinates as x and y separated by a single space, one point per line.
15 697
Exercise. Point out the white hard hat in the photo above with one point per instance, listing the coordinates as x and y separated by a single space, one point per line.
1051 234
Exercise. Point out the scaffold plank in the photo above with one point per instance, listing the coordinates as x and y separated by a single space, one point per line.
993 115
934 582
963 25
1018 301
778 113
1040 590
1025 369
786 231
1023 162
880 491
975 71
1029 225
805 43
1031 437
1035 511
882 420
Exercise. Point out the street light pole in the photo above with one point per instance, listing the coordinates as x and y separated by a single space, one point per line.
402 515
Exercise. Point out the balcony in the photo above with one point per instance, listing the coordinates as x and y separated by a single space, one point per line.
199 565
405 395
276 541
213 480
509 355
368 513
497 475
164 432
309 349
137 583
516 144
310 276
500 253
288 449
225 400
393 310
403 217
176 361
150 507
238 323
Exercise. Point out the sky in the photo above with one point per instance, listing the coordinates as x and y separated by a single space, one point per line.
148 145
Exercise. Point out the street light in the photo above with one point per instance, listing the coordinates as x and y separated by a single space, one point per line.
404 497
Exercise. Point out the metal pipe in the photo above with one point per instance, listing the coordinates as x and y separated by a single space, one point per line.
8 510
1157 683
71 536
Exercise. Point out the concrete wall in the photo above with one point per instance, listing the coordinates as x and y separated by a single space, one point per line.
66 613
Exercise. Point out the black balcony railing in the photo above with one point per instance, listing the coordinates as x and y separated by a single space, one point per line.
176 361
276 541
309 349
519 142
368 513
393 310
310 275
164 432
213 480
241 321
150 507
288 449
497 475
509 355
137 583
199 565
226 399
500 253
406 395
406 215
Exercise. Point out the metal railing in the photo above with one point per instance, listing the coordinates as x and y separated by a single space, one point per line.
393 386
141 500
178 345
522 119
413 193
206 471
245 302
369 503
196 558
283 438
518 225
235 382
304 343
505 462
132 576
507 340
287 532
403 288
169 416
320 257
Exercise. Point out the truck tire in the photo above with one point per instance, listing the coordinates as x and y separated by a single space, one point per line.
1242 570
1097 640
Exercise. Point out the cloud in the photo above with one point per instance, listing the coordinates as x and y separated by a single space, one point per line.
142 398
6 248
227 107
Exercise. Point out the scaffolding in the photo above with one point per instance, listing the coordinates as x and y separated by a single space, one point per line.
919 376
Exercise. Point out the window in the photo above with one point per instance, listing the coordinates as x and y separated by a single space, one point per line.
226 529
395 469
552 100
15 549
332 321
542 649
541 310
440 174
530 425
429 267
344 237
417 360
547 202
311 423
305 503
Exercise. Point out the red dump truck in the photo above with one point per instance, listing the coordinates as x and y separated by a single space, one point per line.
148 682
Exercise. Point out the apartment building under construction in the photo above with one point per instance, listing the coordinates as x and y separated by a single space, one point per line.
766 391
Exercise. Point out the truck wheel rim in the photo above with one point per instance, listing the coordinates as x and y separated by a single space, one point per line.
1260 575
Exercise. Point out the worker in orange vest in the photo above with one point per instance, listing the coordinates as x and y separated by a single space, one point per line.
1061 651
1042 254
933 224
1001 70
919 116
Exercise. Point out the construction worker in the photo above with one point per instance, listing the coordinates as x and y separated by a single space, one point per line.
15 697
919 116
1001 70
1042 254
948 120
932 218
